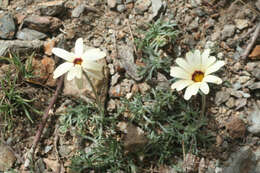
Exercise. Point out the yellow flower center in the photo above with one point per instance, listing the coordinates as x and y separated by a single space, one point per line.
77 61
197 76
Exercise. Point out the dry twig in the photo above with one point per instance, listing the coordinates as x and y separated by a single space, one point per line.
251 44
37 137
132 36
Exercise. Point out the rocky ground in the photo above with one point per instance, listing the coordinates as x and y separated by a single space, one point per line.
30 29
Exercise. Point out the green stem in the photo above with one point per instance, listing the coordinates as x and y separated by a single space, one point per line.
98 101
203 105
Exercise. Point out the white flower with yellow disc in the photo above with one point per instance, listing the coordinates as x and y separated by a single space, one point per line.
195 71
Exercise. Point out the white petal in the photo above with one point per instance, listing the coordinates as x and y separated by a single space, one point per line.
215 67
184 65
189 58
179 73
204 56
61 69
209 61
204 87
91 65
68 56
79 47
78 71
94 54
192 90
180 84
97 75
212 79
72 73
197 59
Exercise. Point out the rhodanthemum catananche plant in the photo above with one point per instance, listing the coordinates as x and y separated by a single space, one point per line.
79 61
195 72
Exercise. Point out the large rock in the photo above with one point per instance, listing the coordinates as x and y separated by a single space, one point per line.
42 23
157 6
221 97
126 55
236 128
7 26
78 10
51 8
242 161
19 46
254 119
29 34
228 31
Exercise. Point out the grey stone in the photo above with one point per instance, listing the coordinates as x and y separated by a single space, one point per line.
221 97
195 3
241 23
7 158
114 79
157 6
231 102
237 86
142 5
240 103
126 55
239 94
209 44
120 8
254 119
64 150
111 69
199 12
257 158
254 86
256 73
228 31
51 8
194 24
241 161
19 46
39 166
29 34
78 11
243 79
111 3
210 23
7 26
98 41
257 4
216 35
162 81
250 66
134 138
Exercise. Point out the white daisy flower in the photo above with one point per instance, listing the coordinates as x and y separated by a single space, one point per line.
195 72
78 61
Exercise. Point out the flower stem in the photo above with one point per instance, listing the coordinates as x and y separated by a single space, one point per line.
203 105
98 101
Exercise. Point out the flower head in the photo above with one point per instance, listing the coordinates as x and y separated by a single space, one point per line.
195 71
78 61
